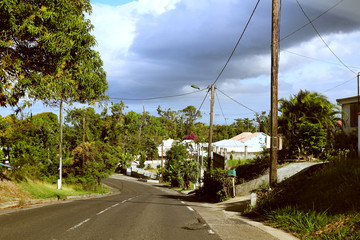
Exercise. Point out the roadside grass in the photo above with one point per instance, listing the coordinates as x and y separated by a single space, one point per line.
319 203
233 163
42 190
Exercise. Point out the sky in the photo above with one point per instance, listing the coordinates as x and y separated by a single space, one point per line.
159 48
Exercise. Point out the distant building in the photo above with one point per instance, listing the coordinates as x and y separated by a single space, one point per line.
243 146
191 146
165 146
350 113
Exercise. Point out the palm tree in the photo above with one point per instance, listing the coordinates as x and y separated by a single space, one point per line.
305 107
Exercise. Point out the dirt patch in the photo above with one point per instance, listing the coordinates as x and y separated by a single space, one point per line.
10 191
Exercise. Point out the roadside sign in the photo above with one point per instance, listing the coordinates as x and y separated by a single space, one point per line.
231 173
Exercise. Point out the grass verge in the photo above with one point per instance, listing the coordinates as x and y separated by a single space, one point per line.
319 203
12 191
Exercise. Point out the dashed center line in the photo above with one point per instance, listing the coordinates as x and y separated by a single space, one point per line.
78 225
101 212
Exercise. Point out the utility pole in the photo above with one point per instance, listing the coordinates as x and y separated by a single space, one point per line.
83 161
358 108
212 89
60 145
162 159
274 92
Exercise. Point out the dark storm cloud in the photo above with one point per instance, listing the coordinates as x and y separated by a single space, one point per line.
188 45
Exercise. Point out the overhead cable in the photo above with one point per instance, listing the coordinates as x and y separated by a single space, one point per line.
322 39
316 59
233 51
204 99
154 98
237 101
222 112
313 20
340 84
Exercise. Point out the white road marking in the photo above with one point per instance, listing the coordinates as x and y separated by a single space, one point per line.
190 208
103 211
211 231
124 201
183 202
78 225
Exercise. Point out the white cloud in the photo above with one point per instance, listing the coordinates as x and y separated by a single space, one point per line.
160 47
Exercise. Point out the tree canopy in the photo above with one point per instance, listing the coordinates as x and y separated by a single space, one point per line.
306 121
46 52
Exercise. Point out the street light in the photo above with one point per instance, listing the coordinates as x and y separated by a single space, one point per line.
196 87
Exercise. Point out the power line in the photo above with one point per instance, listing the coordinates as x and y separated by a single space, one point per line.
154 98
233 51
313 20
222 112
340 84
237 101
204 99
316 59
322 39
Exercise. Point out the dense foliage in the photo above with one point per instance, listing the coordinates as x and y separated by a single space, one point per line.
46 52
307 122
30 143
217 185
180 167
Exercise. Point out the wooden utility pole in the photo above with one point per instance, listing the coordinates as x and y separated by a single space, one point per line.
358 108
83 161
274 92
212 89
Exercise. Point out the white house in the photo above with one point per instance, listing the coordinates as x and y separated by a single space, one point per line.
243 146
165 146
191 146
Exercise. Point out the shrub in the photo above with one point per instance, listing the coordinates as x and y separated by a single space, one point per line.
217 185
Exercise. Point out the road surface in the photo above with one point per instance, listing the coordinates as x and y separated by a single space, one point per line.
138 211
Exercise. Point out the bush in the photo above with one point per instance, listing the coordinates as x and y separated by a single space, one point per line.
252 170
217 185
142 160
178 170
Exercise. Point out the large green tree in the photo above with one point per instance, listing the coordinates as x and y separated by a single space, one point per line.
306 120
46 52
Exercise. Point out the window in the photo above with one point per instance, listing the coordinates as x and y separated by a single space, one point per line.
353 114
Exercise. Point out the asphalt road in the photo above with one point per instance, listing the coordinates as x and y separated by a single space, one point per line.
138 211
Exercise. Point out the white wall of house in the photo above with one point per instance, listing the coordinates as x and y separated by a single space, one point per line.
349 115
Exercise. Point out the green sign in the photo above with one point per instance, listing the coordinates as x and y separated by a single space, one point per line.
231 173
